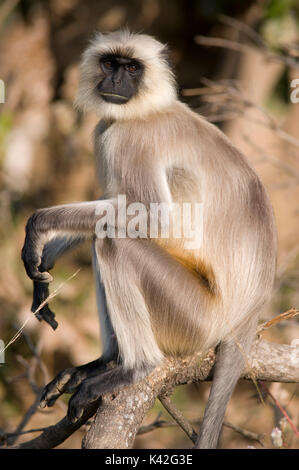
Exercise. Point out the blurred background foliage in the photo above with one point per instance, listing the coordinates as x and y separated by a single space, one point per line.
46 158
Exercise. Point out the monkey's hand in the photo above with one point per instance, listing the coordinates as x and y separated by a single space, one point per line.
32 252
40 294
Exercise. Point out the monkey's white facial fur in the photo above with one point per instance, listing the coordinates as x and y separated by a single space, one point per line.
155 88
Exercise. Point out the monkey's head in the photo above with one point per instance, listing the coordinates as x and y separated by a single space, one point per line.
125 75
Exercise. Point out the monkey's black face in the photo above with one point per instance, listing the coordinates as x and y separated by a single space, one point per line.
122 76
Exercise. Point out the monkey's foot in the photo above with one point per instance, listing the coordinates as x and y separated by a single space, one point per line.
94 387
68 380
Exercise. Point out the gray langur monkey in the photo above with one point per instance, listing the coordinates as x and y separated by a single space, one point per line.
155 296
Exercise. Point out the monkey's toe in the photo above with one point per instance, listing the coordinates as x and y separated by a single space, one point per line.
68 381
94 386
87 394
65 382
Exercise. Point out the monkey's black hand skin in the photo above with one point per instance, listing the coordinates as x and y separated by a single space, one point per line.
50 253
40 294
68 381
32 252
164 297
87 383
93 387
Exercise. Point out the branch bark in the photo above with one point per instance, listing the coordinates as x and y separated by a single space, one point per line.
119 416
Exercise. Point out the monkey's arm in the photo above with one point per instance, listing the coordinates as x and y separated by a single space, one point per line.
51 252
71 220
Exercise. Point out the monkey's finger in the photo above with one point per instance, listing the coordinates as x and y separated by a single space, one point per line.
41 277
78 403
32 265
56 388
40 293
36 275
75 411
49 398
48 316
88 393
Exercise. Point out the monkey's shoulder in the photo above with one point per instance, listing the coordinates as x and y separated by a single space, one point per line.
176 123
177 131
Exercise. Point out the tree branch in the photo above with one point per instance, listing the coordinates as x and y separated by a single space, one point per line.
59 432
120 415
243 47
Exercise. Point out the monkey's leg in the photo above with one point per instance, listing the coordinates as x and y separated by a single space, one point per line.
139 275
51 252
91 380
68 380
181 314
127 311
230 363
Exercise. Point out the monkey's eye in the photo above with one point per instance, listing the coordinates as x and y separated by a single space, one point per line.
108 64
132 68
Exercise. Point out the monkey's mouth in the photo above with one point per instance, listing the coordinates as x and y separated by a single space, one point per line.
105 93
113 97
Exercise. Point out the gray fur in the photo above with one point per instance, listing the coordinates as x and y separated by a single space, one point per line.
108 337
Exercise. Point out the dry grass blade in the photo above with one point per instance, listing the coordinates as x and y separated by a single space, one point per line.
292 313
51 296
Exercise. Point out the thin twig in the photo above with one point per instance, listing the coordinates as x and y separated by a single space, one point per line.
243 28
233 96
245 432
28 415
281 409
204 91
158 423
225 44
178 417
236 46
